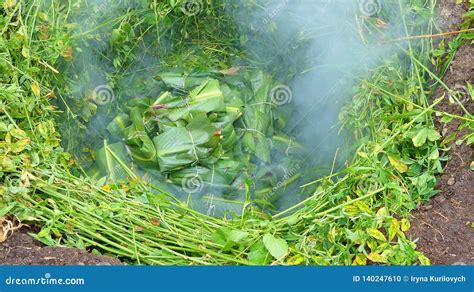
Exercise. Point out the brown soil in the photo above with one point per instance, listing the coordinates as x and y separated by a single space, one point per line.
444 225
22 249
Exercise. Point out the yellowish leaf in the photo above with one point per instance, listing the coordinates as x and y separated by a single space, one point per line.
363 207
377 258
351 210
376 234
9 4
36 89
405 225
67 53
424 261
363 154
296 260
51 94
392 230
360 260
400 166
18 133
20 145
25 52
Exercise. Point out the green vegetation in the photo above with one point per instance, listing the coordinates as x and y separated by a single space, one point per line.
354 216
210 138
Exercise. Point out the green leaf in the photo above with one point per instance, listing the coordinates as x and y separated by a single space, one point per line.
178 147
433 135
221 235
107 165
277 247
420 138
259 255
238 236
46 231
357 236
434 154
5 210
229 238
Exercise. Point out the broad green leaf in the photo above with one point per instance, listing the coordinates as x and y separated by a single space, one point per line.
259 255
420 138
423 134
221 235
107 165
277 247
433 135
118 125
238 236
178 147
356 236
434 154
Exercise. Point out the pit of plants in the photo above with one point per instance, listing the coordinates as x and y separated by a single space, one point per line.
181 132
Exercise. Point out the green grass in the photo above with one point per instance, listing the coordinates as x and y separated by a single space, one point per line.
357 215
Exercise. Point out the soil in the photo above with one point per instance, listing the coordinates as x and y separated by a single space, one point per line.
443 226
22 249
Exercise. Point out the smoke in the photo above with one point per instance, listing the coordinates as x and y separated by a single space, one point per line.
318 49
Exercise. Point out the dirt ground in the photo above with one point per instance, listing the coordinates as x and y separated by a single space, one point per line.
22 249
444 225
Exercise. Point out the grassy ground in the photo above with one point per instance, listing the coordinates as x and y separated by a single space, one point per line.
357 216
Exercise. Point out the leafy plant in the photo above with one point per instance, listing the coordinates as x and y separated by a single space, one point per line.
355 216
